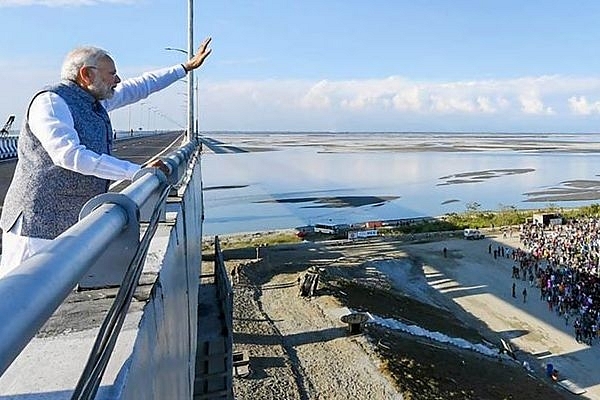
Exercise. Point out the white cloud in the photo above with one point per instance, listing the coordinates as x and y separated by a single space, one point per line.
317 96
532 104
546 103
407 100
485 104
395 94
451 104
60 3
581 106
502 102
363 95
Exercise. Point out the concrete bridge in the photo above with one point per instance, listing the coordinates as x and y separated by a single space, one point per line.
118 306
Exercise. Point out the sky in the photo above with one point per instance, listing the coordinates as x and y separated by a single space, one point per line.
328 65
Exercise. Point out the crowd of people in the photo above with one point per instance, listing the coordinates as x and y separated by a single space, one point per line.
562 261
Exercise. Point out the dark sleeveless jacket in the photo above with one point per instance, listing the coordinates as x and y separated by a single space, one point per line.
50 197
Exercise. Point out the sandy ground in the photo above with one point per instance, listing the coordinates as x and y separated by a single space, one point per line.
299 348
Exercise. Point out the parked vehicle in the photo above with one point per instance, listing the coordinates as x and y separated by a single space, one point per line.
473 234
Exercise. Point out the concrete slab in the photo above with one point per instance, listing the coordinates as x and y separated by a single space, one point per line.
571 387
49 367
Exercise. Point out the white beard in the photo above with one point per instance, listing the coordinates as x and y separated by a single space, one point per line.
100 90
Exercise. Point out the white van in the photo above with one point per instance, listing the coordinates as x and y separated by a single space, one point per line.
473 234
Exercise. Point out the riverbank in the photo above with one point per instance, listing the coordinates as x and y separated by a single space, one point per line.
299 348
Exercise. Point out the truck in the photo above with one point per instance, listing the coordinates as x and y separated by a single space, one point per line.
473 234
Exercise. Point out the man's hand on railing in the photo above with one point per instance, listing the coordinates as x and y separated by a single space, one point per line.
160 164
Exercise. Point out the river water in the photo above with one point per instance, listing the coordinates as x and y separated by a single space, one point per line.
262 181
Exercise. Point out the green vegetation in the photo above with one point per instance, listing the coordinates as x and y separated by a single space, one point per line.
473 217
255 240
592 210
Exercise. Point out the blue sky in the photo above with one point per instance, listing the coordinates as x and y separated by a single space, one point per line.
308 65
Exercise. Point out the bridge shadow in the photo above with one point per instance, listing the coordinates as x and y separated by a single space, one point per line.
514 333
218 147
296 339
257 320
260 365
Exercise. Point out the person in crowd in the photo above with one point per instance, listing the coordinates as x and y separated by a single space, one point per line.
64 147
565 260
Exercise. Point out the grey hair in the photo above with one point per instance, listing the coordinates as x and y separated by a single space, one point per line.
81 57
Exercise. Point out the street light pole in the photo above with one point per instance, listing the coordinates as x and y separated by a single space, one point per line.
197 113
190 52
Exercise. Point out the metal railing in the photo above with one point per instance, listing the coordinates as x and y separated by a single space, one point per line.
223 286
34 290
8 147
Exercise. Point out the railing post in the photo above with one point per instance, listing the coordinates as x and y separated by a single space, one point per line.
147 208
109 269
